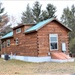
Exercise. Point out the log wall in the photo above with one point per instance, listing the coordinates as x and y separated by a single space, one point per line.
37 43
27 44
43 37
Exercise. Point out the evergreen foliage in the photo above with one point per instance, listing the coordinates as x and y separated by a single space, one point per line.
27 16
68 18
36 14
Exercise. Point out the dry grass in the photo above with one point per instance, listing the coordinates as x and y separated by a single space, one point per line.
14 67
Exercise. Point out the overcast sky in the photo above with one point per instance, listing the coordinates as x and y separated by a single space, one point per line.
16 7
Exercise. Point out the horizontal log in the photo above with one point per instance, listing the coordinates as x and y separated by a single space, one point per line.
43 54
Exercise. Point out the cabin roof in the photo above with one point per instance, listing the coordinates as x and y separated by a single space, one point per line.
41 24
10 34
24 24
36 27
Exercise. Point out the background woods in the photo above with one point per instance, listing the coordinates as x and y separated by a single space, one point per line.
68 19
36 14
4 19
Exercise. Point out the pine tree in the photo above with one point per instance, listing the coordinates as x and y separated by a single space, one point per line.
49 12
36 14
27 16
44 15
51 9
36 11
65 18
68 18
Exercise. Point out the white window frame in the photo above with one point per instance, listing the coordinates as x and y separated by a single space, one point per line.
17 41
8 43
18 30
50 35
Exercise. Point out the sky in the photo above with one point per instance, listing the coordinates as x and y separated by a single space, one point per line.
16 7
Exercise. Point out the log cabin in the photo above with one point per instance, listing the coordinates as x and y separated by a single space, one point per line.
45 41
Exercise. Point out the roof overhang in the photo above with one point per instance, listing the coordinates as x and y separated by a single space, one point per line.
29 32
6 38
64 25
53 19
24 24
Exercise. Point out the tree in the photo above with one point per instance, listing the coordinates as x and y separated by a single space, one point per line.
27 16
1 11
44 15
49 12
13 21
65 18
72 45
36 11
51 9
73 10
3 20
68 19
3 16
36 14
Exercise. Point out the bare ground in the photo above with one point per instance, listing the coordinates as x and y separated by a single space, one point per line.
15 67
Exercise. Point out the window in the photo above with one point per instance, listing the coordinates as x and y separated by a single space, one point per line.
53 41
3 45
8 43
18 30
17 42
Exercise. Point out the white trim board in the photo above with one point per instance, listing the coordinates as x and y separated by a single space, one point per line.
61 61
38 59
30 59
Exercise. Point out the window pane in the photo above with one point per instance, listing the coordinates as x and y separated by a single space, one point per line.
18 30
17 42
53 39
53 45
8 43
